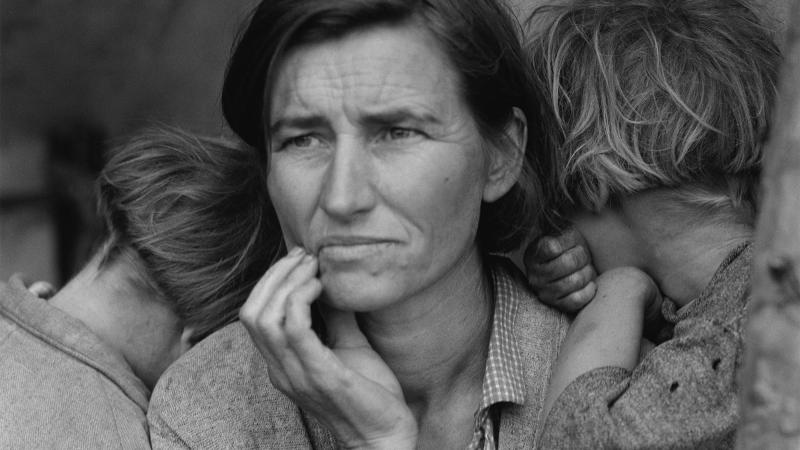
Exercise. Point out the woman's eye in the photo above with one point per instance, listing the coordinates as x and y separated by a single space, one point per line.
397 133
305 141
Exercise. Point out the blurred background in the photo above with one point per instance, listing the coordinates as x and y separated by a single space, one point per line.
75 76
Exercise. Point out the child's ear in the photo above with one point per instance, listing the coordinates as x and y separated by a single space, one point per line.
506 158
186 338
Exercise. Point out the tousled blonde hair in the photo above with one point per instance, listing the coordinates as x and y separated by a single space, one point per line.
656 93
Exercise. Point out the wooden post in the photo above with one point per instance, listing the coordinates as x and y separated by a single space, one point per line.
771 373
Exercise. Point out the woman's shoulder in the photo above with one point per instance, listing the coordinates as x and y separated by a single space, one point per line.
225 365
509 281
219 394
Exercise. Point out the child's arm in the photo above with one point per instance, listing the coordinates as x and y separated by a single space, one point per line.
682 394
608 331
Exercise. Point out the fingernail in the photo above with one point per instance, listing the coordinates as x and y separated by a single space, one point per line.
297 251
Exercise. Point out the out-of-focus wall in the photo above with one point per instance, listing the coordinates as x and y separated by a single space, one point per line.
97 68
73 73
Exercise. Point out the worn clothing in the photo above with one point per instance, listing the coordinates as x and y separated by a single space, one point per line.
504 376
683 394
218 395
60 386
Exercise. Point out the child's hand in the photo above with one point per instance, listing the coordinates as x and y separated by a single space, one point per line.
560 270
41 289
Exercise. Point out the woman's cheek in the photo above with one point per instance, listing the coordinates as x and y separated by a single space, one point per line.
289 209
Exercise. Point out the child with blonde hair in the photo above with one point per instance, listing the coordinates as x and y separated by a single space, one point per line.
661 109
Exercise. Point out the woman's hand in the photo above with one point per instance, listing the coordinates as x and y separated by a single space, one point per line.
347 387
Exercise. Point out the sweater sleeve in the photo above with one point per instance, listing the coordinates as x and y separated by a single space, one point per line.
162 436
683 394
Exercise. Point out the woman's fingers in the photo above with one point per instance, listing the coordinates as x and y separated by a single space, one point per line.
349 389
267 285
300 337
342 327
265 315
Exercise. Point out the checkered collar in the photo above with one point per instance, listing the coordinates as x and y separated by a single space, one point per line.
503 379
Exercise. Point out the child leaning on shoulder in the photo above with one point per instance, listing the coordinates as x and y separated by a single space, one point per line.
661 108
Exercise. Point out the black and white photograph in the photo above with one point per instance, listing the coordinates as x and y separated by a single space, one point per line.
400 224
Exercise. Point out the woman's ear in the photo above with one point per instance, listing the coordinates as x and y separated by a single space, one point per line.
506 158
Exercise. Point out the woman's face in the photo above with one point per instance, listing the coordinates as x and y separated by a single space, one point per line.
377 166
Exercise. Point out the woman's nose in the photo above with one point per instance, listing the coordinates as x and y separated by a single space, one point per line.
348 190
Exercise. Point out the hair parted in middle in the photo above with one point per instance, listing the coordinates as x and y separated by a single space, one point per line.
482 40
656 93
191 216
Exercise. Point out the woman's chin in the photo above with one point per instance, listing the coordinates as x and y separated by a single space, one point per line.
358 292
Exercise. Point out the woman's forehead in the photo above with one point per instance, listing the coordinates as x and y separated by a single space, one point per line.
386 67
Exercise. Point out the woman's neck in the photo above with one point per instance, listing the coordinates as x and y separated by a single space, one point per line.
437 342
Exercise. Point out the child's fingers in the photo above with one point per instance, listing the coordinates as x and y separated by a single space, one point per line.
542 250
42 289
548 247
573 282
570 293
569 262
575 301
570 238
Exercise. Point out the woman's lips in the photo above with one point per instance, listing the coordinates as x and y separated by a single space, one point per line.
352 248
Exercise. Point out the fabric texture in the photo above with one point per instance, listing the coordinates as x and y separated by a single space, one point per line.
60 386
218 395
504 375
683 394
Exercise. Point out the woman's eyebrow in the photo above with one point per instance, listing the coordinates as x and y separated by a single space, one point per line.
298 122
384 117
399 115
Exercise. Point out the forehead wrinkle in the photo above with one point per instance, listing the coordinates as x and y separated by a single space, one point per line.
332 76
417 92
305 89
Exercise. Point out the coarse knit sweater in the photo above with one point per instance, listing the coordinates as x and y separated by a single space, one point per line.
682 395
60 385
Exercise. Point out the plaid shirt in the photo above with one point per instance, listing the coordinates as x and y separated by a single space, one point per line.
504 374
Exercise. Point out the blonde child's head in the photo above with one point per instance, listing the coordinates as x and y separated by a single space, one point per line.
656 94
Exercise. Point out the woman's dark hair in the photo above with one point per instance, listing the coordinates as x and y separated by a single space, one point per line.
191 216
482 41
